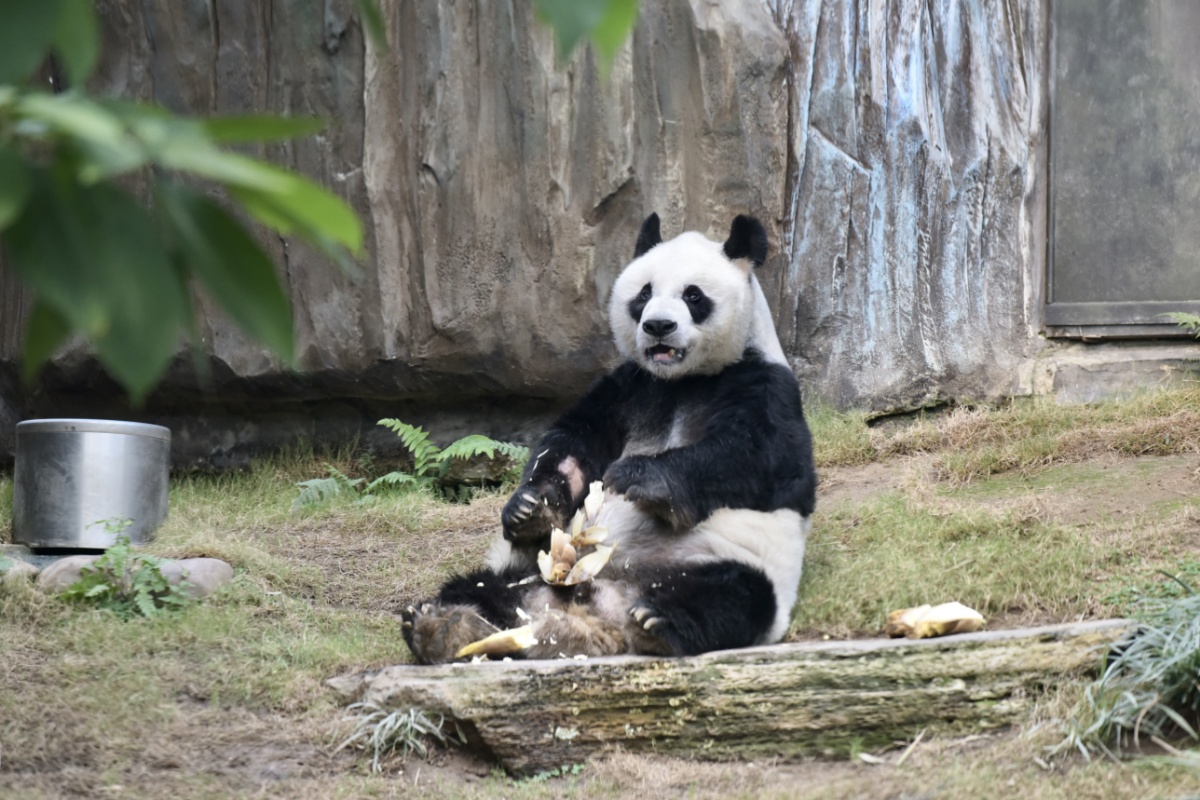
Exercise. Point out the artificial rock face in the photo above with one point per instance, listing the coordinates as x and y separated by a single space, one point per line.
894 151
699 440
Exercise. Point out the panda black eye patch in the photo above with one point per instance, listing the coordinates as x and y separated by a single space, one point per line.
699 304
638 304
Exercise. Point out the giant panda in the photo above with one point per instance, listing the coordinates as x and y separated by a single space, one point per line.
700 440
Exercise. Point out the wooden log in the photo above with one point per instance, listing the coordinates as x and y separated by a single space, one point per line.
786 700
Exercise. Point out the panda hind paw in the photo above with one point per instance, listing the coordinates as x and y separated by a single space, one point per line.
434 633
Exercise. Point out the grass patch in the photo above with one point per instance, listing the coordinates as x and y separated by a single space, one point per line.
1024 436
226 698
894 552
1150 689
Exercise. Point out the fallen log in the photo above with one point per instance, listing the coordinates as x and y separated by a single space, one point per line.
788 700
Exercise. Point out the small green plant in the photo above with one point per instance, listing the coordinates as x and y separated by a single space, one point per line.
430 468
431 463
1189 322
565 771
383 732
1149 689
127 583
319 491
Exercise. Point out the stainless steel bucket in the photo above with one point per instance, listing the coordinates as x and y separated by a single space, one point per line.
78 483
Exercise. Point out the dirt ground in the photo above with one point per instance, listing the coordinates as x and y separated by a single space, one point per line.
1107 496
211 752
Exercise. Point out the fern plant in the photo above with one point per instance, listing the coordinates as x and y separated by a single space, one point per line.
127 583
431 463
428 472
319 491
1189 322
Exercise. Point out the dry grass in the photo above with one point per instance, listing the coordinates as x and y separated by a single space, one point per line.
1025 436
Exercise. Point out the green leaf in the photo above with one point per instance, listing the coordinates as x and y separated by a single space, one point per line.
607 23
96 257
47 330
25 35
231 266
145 603
104 145
14 185
372 21
299 206
260 128
77 40
614 28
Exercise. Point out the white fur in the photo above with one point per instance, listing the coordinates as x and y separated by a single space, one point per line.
763 336
770 541
670 267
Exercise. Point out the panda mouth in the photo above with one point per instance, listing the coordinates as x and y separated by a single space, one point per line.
663 354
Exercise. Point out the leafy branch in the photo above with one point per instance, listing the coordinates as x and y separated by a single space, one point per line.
103 264
1189 322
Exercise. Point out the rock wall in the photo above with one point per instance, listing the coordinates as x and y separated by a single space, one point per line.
893 148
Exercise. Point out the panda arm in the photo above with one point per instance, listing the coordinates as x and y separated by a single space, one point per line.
572 454
755 453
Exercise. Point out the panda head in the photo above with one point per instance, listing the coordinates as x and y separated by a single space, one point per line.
686 306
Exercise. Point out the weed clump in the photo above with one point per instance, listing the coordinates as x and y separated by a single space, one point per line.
1150 689
384 732
127 583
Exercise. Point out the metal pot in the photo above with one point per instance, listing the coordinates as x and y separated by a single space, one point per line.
79 483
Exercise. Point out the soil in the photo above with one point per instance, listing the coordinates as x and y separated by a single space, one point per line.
278 755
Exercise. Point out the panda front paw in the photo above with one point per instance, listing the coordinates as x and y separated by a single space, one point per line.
532 512
641 481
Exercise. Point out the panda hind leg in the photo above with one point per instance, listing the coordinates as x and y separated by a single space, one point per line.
702 607
467 609
575 631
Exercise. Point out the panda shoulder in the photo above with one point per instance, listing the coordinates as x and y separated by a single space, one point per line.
753 367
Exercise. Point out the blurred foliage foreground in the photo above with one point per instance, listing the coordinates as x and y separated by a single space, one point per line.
105 264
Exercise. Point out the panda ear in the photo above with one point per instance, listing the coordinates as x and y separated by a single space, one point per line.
648 236
747 239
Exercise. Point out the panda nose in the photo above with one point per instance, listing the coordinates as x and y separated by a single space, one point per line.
658 327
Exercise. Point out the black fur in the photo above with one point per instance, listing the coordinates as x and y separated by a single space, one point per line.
649 235
715 606
699 304
638 304
495 595
747 239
